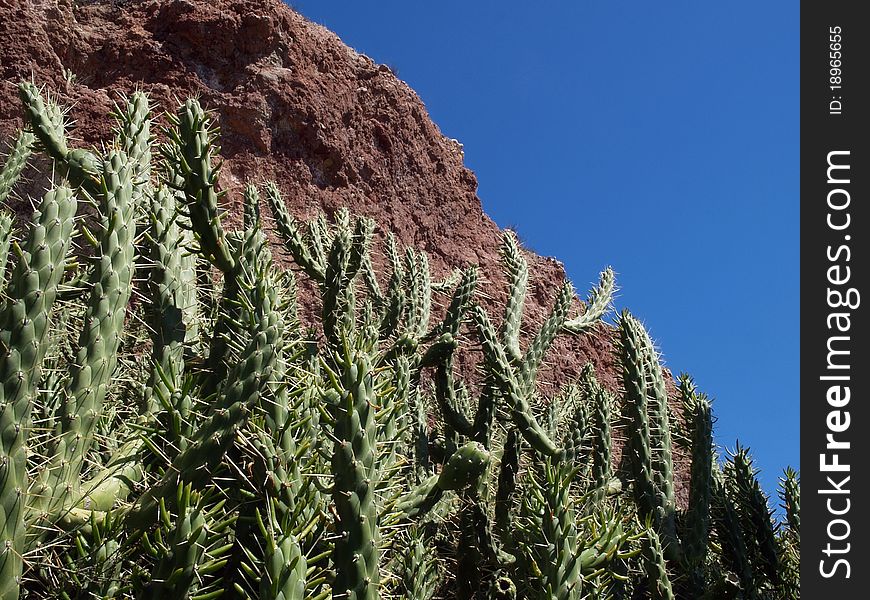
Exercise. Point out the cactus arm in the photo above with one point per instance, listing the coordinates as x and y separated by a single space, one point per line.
421 499
292 237
697 518
445 393
635 383
656 569
81 167
176 574
601 404
285 568
15 163
597 304
46 119
210 441
134 139
647 405
518 280
755 516
420 298
790 496
532 431
663 468
355 477
234 317
464 467
534 356
104 321
320 239
337 293
507 482
371 281
449 282
486 408
735 555
5 244
497 363
113 483
31 292
189 155
420 570
608 537
251 207
790 537
170 330
562 579
395 300
460 302
418 431
134 133
363 231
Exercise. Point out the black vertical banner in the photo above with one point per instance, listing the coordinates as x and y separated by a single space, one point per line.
835 227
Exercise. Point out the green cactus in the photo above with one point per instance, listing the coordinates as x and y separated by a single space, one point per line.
790 495
286 567
562 579
205 442
696 525
600 402
420 575
293 238
464 467
789 538
245 383
5 244
181 549
15 163
507 482
92 371
170 328
25 320
730 535
518 280
82 167
521 411
355 554
656 569
133 132
190 159
755 516
597 304
648 410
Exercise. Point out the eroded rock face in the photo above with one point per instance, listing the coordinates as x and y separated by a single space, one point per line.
296 106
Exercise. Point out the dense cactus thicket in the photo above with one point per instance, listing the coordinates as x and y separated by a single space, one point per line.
170 428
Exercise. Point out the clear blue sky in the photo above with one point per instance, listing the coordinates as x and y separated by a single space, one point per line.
660 138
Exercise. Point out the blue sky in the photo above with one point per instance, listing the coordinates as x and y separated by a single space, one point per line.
660 138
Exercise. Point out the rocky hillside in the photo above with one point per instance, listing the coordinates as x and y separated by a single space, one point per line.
297 106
